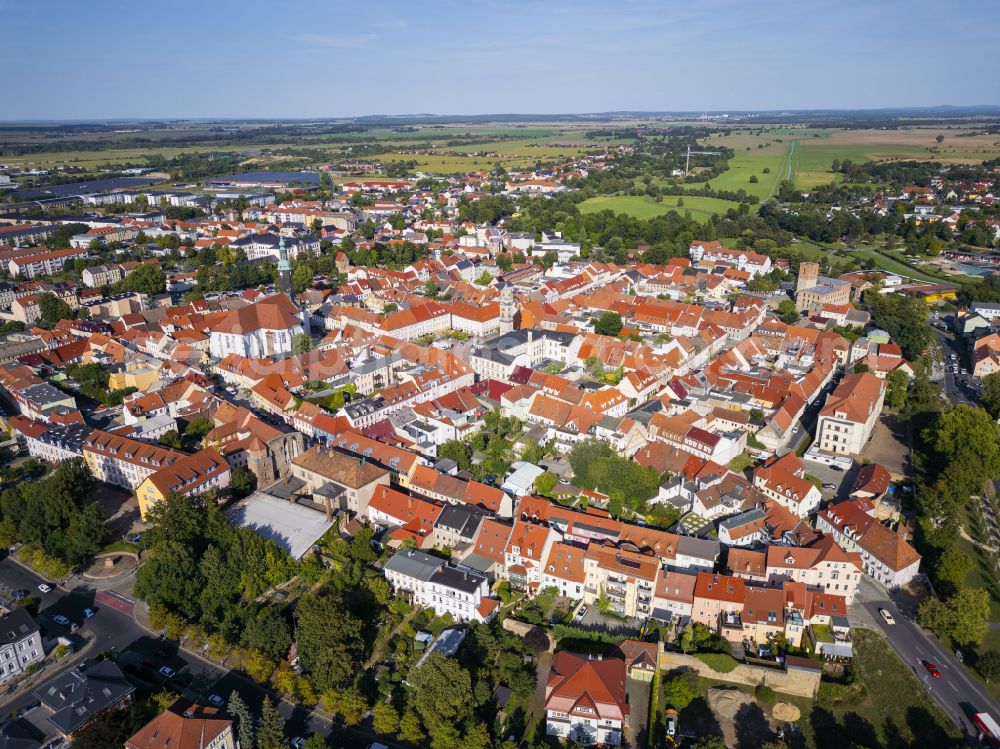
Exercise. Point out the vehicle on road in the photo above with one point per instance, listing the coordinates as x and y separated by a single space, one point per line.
932 669
988 728
44 587
168 672
60 619
215 700
887 616
671 718
87 613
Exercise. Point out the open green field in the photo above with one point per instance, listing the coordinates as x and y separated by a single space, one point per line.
891 265
643 206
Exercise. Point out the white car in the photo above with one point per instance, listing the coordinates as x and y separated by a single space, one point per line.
44 587
297 742
167 671
887 616
60 619
215 700
87 613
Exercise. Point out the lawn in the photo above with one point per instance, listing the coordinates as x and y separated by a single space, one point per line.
643 206
888 264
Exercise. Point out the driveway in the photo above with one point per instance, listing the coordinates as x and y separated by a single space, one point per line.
638 702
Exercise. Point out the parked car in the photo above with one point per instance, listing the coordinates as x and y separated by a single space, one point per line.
44 587
932 669
60 619
87 613
829 485
74 627
297 742
671 716
148 662
581 613
215 700
168 672
17 595
163 652
887 616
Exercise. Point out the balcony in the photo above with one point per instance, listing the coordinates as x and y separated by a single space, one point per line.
731 619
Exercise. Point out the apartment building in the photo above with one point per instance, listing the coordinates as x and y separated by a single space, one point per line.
886 556
345 482
626 580
432 583
822 566
20 644
847 419
188 475
123 461
585 699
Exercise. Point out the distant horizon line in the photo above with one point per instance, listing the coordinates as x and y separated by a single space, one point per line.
953 109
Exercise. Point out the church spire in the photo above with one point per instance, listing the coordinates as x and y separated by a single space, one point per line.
284 269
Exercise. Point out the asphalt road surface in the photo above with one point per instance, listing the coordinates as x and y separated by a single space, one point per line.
957 692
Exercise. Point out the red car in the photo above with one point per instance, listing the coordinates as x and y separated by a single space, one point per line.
932 669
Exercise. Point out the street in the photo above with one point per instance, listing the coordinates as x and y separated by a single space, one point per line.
951 384
957 692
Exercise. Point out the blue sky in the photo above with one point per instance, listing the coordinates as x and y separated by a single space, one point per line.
79 59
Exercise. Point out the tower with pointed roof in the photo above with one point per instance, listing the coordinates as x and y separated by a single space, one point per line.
284 269
508 308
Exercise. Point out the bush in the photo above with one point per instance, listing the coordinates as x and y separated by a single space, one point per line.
565 631
764 693
721 663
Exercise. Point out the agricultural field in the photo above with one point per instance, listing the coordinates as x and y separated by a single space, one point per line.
816 149
643 206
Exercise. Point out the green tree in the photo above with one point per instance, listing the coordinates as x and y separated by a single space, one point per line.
442 694
952 567
788 313
681 690
545 483
608 323
432 288
410 728
198 428
172 439
315 741
988 665
385 719
272 727
268 632
484 279
897 384
245 728
329 640
301 344
458 451
241 482
969 439
53 309
348 703
990 396
970 611
148 278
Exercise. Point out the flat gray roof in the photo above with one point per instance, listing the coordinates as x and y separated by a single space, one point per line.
291 526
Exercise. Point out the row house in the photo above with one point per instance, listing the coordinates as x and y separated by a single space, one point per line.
123 461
